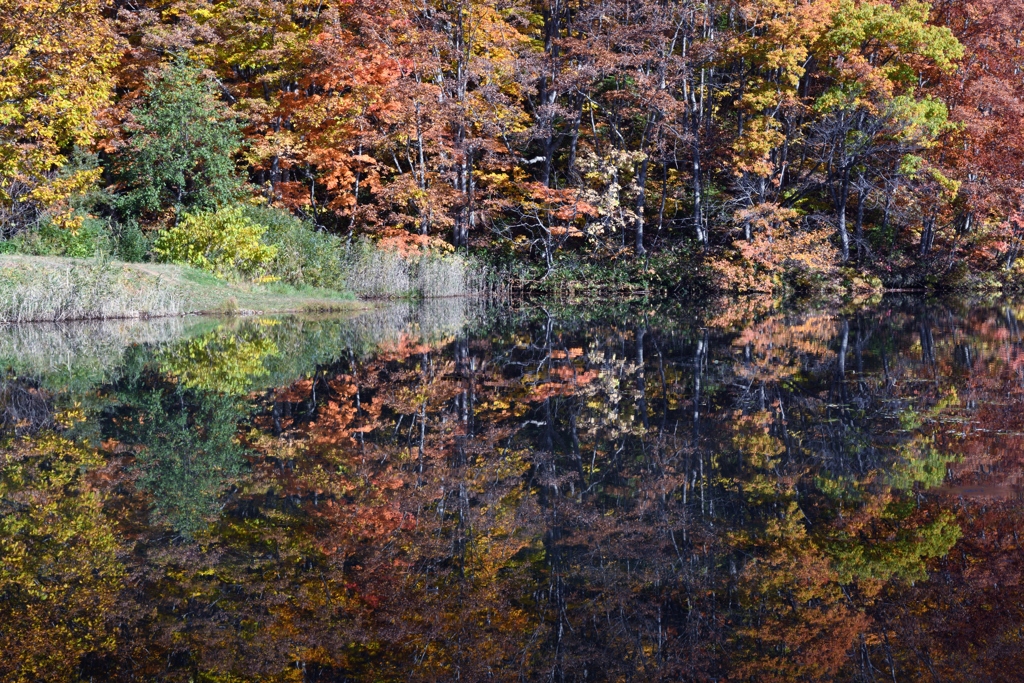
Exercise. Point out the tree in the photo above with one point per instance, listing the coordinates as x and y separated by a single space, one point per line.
180 153
985 153
57 59
187 452
873 54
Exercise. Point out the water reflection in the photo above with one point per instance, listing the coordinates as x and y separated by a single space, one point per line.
640 494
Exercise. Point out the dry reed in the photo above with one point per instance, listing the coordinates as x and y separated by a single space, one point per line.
84 290
379 274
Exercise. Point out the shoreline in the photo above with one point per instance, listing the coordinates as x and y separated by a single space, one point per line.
50 289
58 289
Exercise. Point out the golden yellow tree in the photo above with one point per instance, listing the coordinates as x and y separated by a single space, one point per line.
56 64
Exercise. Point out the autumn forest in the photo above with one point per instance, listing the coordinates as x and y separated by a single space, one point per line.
755 145
511 340
433 494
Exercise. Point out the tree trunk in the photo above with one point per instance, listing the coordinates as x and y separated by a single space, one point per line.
696 113
859 228
641 205
844 234
927 236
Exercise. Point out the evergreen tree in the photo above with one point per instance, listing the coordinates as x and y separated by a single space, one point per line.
181 151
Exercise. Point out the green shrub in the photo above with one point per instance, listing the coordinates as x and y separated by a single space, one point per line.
305 257
130 243
226 242
48 239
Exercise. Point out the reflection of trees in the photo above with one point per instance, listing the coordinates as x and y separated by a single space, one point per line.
966 623
229 361
187 451
553 500
785 446
59 568
25 407
828 457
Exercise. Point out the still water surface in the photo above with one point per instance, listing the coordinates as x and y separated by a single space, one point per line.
635 493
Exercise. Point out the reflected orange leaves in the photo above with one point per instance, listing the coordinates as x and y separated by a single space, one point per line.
560 380
778 347
405 346
747 503
335 415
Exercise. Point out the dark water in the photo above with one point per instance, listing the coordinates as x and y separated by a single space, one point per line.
630 493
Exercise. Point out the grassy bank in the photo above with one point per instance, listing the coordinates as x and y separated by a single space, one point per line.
34 288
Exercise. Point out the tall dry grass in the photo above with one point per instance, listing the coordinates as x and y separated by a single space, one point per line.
83 290
379 274
375 274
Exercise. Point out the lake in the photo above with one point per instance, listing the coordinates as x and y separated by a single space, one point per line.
613 492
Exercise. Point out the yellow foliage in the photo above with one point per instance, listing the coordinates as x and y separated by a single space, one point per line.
226 243
59 571
56 62
220 361
778 244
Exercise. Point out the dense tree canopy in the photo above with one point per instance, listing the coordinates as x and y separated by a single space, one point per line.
56 77
773 141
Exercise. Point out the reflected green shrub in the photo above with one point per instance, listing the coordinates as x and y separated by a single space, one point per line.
922 464
902 554
221 360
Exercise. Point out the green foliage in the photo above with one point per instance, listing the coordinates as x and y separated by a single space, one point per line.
890 36
188 453
48 239
221 360
304 256
226 242
130 243
84 232
921 120
901 555
180 154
